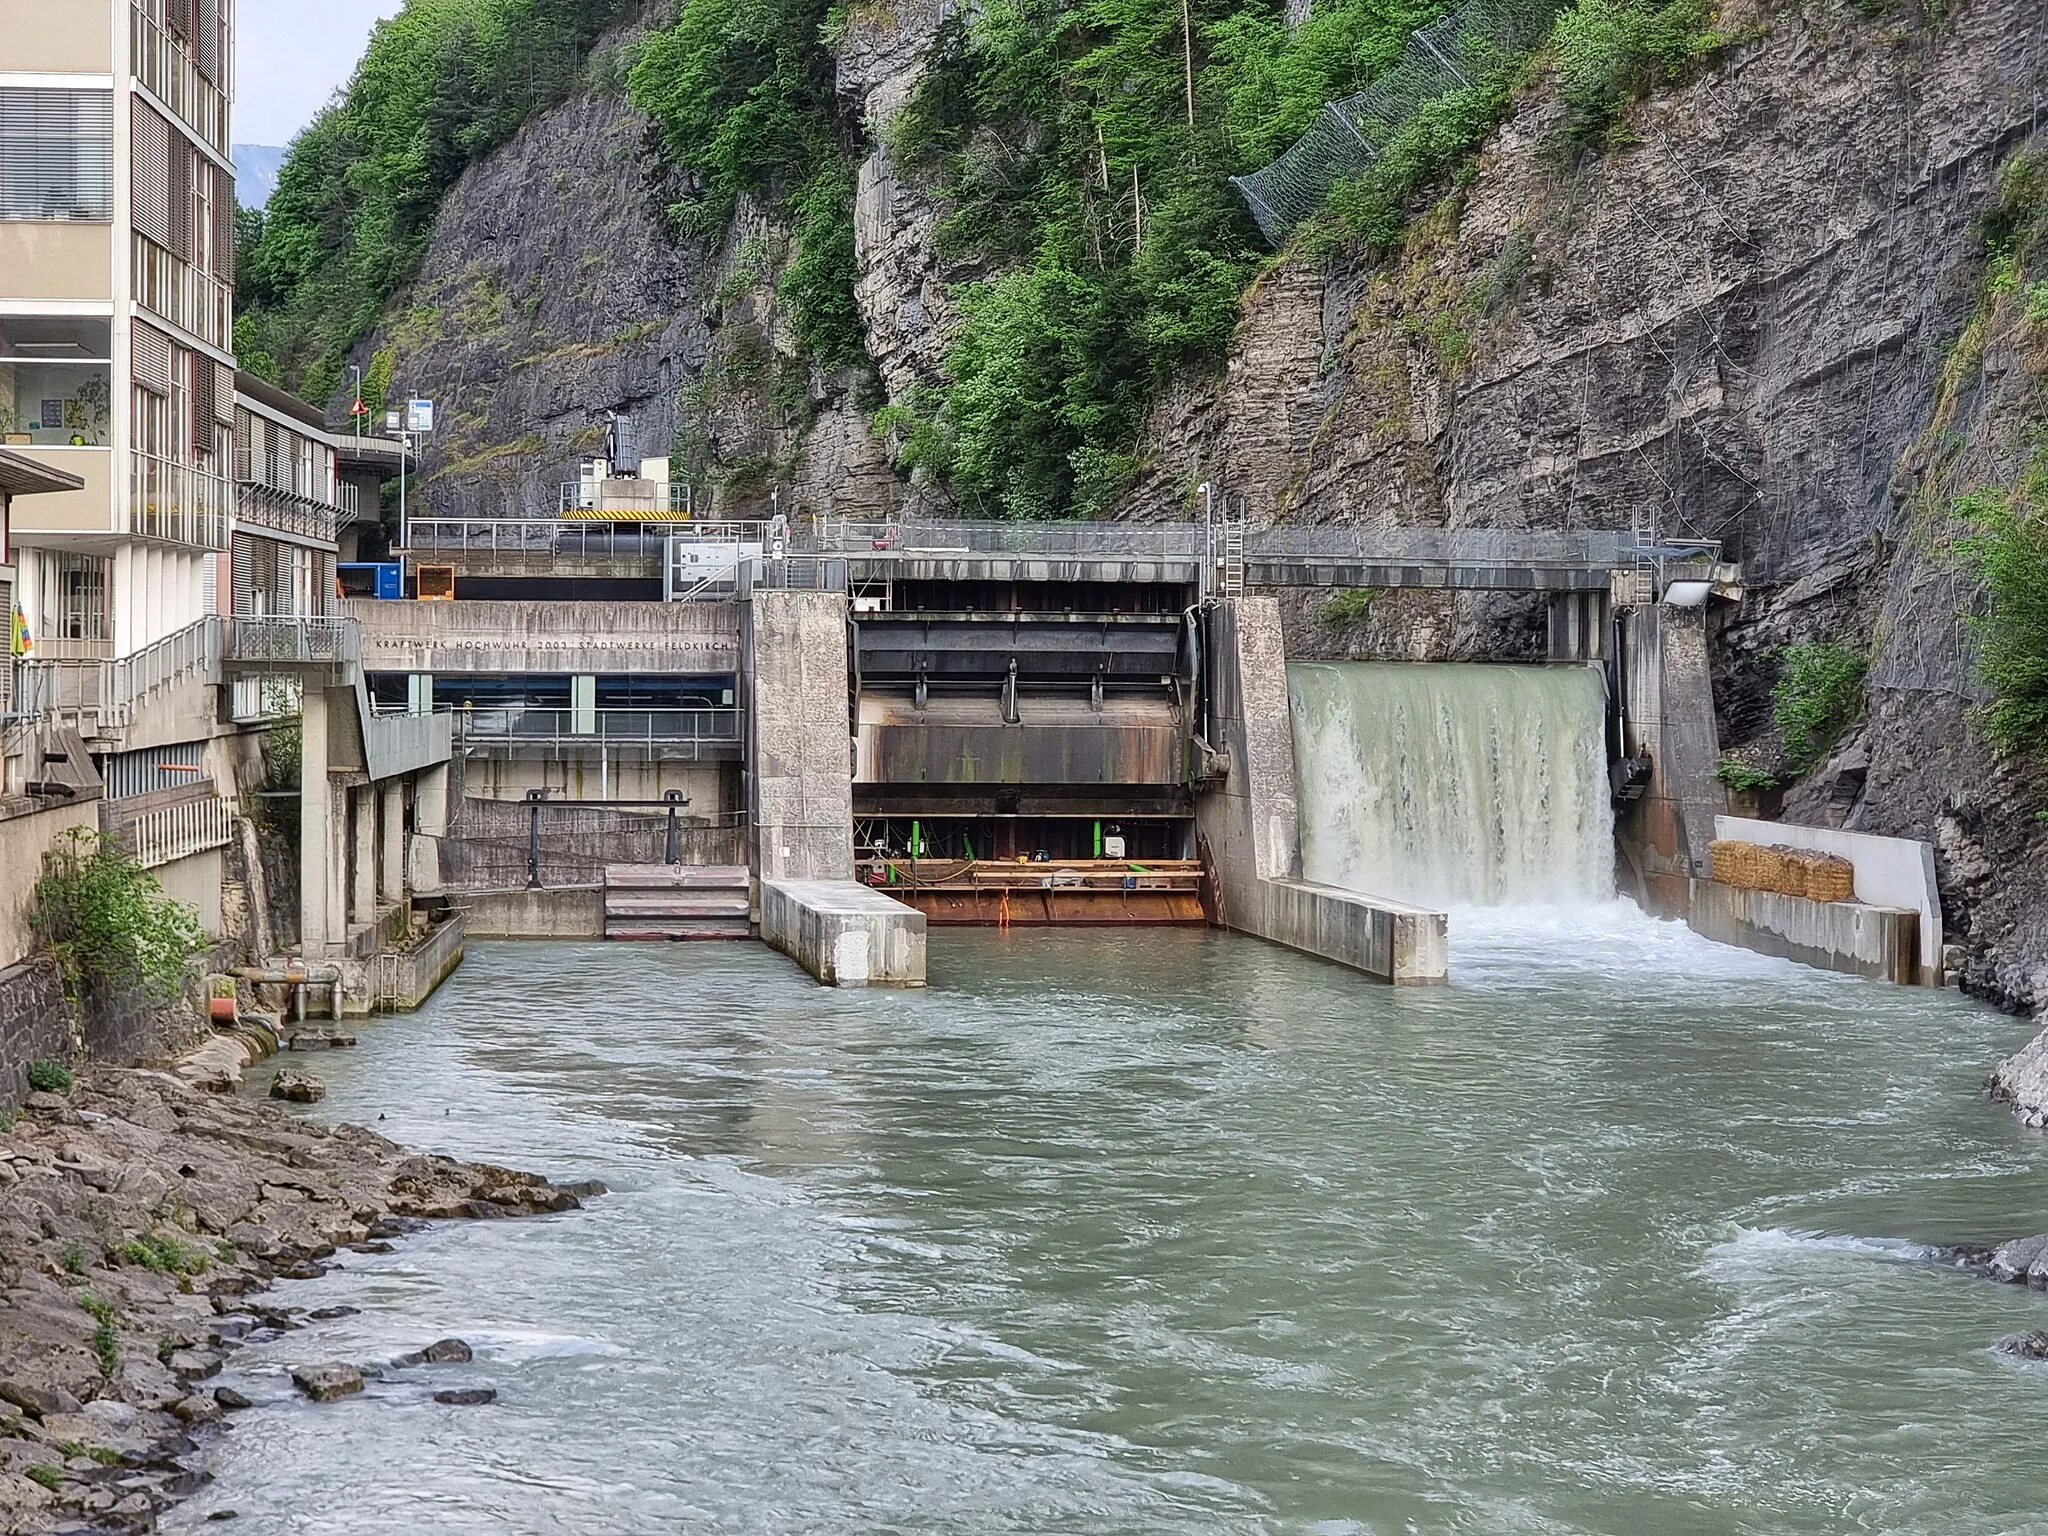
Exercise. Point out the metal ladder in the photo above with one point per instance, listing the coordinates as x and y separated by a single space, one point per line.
1233 551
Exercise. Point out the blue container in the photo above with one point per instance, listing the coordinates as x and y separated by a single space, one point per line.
383 579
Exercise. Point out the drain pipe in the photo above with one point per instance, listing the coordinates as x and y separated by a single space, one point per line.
1199 723
298 976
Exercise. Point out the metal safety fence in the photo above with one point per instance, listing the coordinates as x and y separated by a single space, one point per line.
1348 137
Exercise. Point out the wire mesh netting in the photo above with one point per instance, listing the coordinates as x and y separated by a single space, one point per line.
1469 46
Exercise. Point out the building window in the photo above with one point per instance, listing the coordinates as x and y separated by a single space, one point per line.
54 381
56 154
75 597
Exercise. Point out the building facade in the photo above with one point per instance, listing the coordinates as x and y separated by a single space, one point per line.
116 303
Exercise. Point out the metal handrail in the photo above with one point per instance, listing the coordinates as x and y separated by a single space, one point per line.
523 726
557 539
111 689
268 506
287 638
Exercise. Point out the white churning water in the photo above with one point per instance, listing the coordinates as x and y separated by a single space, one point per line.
1451 784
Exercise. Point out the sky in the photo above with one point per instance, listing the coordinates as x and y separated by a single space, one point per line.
290 55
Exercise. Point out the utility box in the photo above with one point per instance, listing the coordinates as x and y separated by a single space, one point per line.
435 583
384 579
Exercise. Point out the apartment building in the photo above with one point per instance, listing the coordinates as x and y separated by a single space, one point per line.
116 300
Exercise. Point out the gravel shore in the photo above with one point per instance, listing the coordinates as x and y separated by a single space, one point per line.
141 1219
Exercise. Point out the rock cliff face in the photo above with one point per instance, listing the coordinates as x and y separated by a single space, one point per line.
1742 326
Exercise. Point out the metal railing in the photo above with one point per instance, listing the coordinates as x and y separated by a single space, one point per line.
265 506
1138 541
172 76
551 539
178 503
585 729
110 691
288 640
174 832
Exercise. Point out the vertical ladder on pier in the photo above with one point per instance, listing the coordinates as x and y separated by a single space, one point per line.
1233 551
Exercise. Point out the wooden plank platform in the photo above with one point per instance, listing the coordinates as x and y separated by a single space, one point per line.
676 901
1082 892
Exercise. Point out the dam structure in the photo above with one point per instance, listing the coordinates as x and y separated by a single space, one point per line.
837 735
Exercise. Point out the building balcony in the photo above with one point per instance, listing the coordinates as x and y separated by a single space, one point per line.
178 503
285 642
265 508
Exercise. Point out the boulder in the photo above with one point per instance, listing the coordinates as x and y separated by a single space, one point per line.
196 1409
325 1383
448 1352
298 1087
32 1397
228 1397
2027 1346
467 1397
2011 1261
2037 1273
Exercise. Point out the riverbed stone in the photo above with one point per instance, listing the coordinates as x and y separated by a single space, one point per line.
2011 1262
325 1383
467 1397
230 1398
298 1087
2032 1345
40 1399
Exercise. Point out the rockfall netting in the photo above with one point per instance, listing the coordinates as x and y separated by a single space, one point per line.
1465 48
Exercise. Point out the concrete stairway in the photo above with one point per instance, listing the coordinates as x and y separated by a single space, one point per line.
675 901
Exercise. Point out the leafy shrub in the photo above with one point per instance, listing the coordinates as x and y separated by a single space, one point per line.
107 919
1611 51
1348 606
47 1076
1819 692
106 1338
2009 552
1740 774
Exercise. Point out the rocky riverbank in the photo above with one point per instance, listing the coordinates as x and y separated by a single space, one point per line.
140 1219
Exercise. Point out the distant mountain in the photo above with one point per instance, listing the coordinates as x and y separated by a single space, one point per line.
256 172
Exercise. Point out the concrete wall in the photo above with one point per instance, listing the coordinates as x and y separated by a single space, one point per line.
415 970
1250 830
195 880
799 736
490 777
1879 942
844 933
24 838
1670 706
35 1024
1890 872
574 912
489 637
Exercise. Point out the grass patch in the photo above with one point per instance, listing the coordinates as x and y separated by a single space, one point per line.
51 1478
162 1254
2008 550
106 1339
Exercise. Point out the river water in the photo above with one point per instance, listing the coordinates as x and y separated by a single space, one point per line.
1155 1231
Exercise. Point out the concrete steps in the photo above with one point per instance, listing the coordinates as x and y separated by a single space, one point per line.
676 901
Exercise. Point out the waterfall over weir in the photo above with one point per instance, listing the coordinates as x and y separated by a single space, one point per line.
1452 784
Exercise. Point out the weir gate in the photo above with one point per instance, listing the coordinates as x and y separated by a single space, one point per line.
1008 724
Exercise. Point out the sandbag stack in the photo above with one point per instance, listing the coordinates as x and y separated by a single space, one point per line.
1788 871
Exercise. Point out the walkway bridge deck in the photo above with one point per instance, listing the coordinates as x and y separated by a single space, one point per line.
1472 559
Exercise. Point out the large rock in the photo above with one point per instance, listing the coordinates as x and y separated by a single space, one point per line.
2011 1261
37 1398
325 1383
298 1087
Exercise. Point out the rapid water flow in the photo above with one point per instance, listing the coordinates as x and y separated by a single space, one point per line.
1452 785
1109 1233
